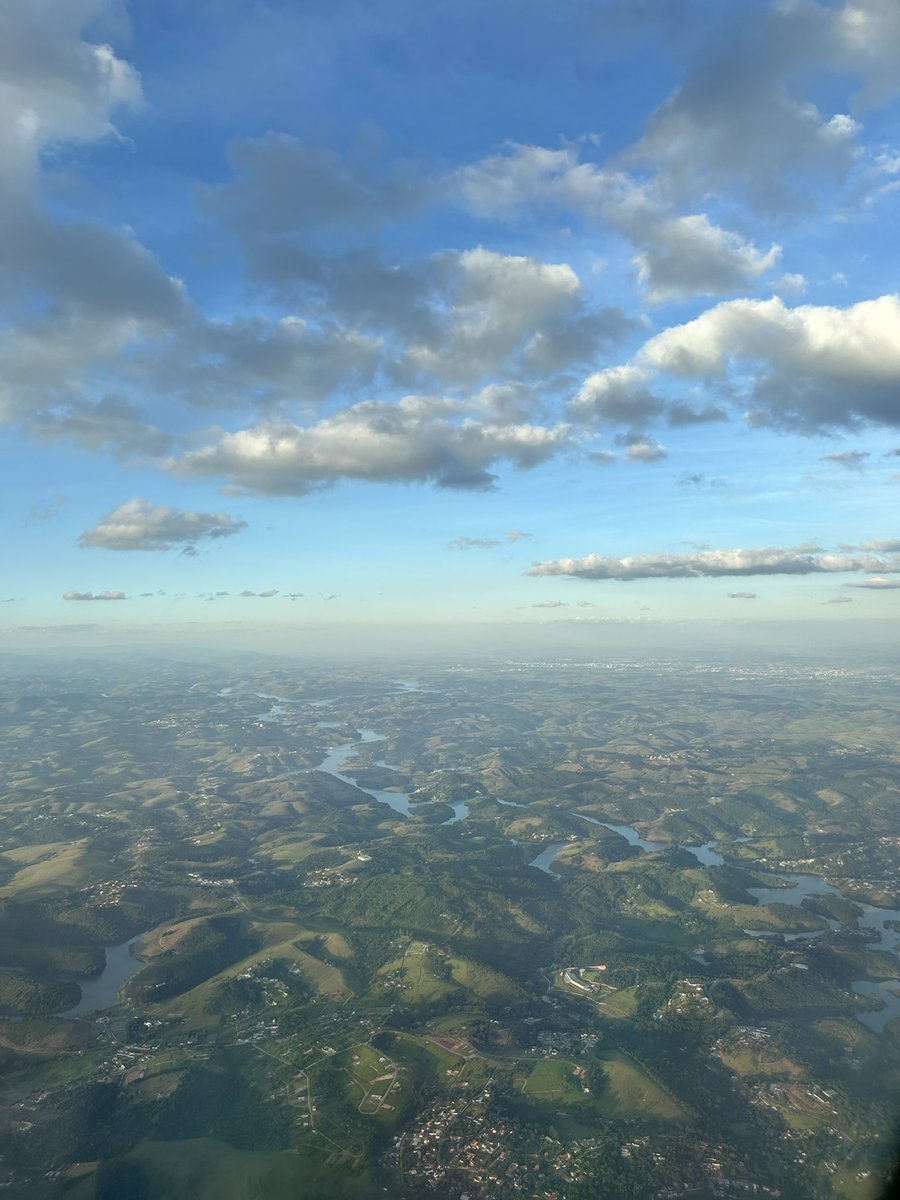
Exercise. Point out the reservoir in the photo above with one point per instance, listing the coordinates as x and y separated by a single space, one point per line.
121 965
102 991
797 888
336 759
884 990
544 861
705 854
460 812
801 886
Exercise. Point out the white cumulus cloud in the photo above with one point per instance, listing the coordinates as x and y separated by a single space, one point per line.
415 440
811 366
139 525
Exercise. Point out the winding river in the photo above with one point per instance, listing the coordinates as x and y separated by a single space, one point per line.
336 759
797 888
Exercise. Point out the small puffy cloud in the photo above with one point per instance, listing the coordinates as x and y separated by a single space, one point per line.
799 560
699 480
415 440
487 543
839 600
876 584
267 595
473 543
742 595
550 604
47 512
852 460
795 284
646 452
94 596
139 525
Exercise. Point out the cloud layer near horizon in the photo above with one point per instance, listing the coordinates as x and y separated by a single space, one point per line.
94 596
799 560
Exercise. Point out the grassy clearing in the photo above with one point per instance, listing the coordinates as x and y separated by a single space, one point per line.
847 1185
376 1084
419 973
282 943
850 1035
554 1079
288 851
45 1035
431 1059
152 792
775 917
58 1072
483 981
760 1060
335 944
61 866
24 856
632 1093
618 1004
165 938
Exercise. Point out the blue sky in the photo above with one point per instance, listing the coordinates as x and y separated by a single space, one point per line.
359 313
